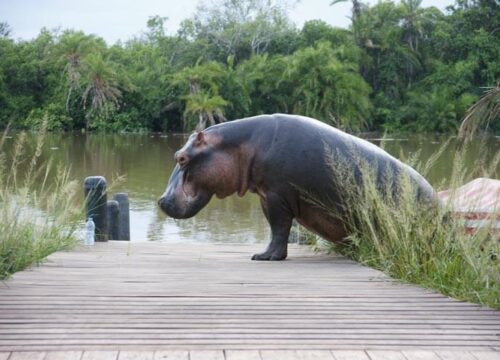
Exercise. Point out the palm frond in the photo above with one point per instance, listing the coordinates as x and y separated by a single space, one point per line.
484 111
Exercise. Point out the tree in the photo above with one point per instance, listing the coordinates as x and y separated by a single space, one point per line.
484 111
102 86
69 52
200 88
242 28
269 90
26 77
329 89
205 106
435 110
5 29
156 28
399 66
356 7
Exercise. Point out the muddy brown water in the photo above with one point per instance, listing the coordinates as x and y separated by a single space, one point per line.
146 161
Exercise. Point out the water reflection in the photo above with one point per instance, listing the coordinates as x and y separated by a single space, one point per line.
147 160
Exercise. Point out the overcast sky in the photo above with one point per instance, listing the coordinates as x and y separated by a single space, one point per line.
122 19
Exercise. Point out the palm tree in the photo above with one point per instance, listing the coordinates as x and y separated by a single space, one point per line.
205 106
356 7
485 110
412 22
71 49
102 85
327 88
202 98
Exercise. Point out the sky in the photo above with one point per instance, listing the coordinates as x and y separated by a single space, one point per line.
122 19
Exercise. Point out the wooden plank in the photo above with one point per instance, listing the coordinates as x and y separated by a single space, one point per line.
420 355
171 355
253 333
4 355
314 355
137 324
350 355
454 355
100 355
242 355
385 355
64 355
206 355
27 355
279 355
486 355
136 355
259 347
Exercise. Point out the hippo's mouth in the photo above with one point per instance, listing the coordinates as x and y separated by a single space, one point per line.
183 198
188 189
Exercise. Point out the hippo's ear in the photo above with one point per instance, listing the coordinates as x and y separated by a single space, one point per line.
200 138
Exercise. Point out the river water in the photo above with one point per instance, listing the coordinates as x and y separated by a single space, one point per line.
146 162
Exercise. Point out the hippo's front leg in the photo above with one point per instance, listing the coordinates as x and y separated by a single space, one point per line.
280 218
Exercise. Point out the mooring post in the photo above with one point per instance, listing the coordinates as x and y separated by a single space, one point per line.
113 220
95 204
124 218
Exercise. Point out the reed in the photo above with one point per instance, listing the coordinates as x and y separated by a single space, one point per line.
417 243
38 214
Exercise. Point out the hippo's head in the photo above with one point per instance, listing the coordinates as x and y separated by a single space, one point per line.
203 169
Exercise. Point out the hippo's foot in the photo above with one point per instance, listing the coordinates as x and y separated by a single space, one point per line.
270 255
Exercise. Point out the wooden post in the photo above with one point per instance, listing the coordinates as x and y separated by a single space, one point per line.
95 204
113 220
124 218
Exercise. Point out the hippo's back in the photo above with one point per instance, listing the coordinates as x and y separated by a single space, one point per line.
310 154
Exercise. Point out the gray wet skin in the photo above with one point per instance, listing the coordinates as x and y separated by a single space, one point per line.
277 157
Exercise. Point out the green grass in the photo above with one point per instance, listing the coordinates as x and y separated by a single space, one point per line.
419 244
37 211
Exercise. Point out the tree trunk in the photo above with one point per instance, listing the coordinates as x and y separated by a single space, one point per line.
201 122
211 118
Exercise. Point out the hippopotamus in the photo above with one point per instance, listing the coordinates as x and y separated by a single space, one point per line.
280 158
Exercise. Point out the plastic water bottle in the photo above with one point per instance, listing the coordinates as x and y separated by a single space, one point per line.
89 232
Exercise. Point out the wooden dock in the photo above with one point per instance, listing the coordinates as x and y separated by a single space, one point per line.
206 301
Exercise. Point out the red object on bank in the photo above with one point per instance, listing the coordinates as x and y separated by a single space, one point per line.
477 203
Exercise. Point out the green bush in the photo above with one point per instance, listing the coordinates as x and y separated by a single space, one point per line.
52 117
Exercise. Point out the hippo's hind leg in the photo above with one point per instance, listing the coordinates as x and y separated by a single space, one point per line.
280 218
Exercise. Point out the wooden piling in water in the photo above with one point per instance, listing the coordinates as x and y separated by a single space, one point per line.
113 220
96 205
124 217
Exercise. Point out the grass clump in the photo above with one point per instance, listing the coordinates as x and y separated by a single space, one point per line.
37 211
418 243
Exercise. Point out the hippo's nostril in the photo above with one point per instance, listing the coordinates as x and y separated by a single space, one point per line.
181 158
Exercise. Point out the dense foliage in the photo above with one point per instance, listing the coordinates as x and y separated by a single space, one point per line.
398 67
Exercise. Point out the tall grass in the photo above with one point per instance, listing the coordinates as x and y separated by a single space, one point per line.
421 243
37 211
